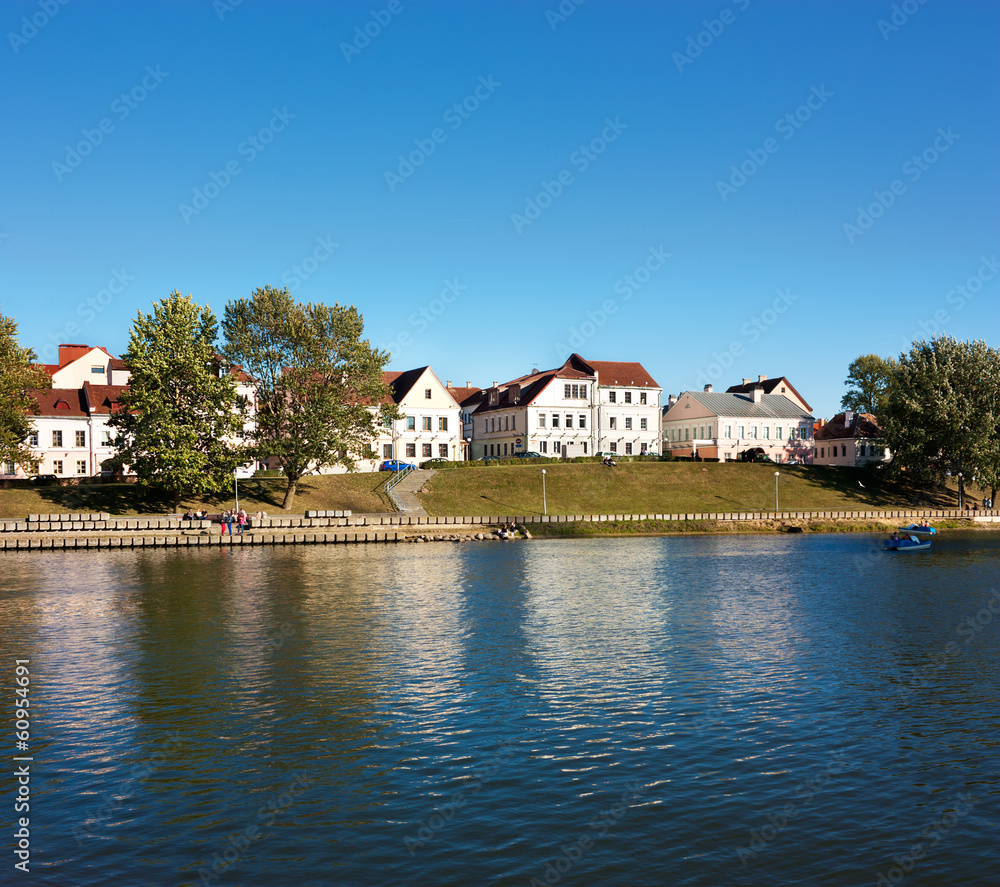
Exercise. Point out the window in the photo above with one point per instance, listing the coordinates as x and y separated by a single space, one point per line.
575 392
387 423
425 450
585 448
727 432
57 466
822 452
386 451
710 432
411 424
541 420
614 447
555 420
57 442
506 419
612 422
628 423
582 420
81 466
612 397
643 424
35 466
566 391
628 397
628 449
442 423
765 432
427 394
741 431
804 432
543 446
642 397
443 451
753 432
98 370
425 423
33 440
569 420
411 451
843 450
777 432
81 438
505 449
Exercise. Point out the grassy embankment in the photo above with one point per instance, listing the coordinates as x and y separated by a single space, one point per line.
359 493
665 488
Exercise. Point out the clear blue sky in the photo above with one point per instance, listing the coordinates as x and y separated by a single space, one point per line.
664 98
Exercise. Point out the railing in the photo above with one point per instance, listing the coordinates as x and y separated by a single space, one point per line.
394 481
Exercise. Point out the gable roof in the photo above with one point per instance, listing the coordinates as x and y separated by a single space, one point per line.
103 399
769 386
60 401
737 406
629 374
465 394
861 425
401 383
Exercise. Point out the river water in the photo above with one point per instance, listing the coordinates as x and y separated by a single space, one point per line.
753 710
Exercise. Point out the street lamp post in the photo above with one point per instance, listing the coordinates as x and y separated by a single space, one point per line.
545 509
960 491
776 490
236 489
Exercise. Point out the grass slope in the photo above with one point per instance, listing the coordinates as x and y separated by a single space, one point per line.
661 488
360 493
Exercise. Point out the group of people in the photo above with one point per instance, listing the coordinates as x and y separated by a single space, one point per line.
228 518
607 460
195 515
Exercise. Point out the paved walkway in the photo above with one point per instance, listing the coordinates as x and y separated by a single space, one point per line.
409 486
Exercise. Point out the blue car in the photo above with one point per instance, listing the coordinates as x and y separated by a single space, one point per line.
395 465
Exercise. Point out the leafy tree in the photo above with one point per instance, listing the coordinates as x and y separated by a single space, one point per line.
867 382
180 415
942 411
18 375
320 389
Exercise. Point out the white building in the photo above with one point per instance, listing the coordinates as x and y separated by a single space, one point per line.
578 409
850 439
736 426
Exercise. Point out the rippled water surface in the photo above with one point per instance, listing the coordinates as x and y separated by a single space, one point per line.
700 711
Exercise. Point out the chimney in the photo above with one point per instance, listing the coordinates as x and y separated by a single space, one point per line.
848 418
708 389
447 384
758 393
747 381
671 400
495 384
761 378
468 384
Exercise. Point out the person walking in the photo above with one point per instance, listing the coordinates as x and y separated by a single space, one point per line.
241 520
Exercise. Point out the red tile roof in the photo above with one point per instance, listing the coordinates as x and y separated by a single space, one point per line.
863 425
60 401
629 374
103 399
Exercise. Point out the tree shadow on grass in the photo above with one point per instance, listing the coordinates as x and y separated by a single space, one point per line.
511 509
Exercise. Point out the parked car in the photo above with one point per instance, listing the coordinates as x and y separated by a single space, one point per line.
43 480
395 465
531 454
604 454
433 463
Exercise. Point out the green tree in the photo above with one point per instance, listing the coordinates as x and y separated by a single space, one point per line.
320 390
18 375
942 411
867 383
180 415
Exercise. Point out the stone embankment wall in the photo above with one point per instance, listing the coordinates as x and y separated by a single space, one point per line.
102 531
